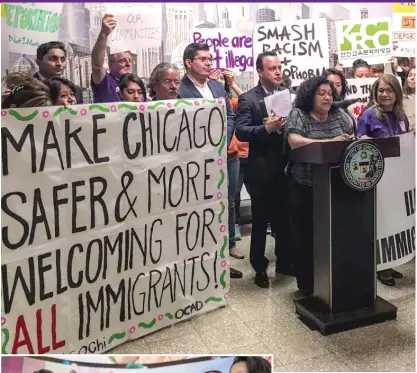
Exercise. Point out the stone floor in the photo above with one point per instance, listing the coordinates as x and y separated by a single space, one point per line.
263 321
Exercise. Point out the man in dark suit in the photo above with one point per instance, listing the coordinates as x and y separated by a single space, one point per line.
196 84
265 169
51 59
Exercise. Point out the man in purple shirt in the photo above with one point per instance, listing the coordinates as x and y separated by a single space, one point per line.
105 84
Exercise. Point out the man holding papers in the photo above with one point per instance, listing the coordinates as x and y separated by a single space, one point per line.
266 165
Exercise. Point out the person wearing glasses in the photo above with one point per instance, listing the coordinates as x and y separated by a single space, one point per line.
164 82
105 85
385 117
132 88
196 84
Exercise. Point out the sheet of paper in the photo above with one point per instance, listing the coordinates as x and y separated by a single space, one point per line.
280 103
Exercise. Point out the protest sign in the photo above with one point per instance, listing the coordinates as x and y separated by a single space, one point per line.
138 25
396 196
404 29
231 50
245 81
360 88
302 46
114 222
404 7
31 24
367 39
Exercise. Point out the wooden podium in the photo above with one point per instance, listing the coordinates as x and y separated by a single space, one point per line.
344 244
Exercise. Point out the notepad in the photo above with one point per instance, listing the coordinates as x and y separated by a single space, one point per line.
280 103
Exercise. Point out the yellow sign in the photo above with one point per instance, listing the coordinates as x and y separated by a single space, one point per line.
404 7
3 9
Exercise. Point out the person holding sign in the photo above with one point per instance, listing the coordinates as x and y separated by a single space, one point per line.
196 84
313 119
265 169
385 117
105 84
164 82
132 88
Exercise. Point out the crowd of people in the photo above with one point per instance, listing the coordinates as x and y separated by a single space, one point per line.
258 142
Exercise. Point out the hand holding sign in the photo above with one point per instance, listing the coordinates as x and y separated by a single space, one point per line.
108 24
229 76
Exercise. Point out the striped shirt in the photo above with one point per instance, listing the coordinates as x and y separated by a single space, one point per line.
300 123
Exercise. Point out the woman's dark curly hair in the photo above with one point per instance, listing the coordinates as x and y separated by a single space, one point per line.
332 71
256 364
306 92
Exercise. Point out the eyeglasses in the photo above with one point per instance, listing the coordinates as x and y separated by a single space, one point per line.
123 61
387 91
205 59
170 82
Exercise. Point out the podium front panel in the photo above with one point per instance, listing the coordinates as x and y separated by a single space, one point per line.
353 238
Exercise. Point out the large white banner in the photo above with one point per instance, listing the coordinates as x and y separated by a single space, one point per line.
396 195
302 46
114 222
30 24
231 49
138 25
367 39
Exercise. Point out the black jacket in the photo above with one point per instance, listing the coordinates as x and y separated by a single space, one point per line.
266 156
78 91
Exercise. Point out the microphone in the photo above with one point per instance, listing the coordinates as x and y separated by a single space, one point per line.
344 104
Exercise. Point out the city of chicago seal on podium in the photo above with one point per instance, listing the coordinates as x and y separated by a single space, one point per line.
362 165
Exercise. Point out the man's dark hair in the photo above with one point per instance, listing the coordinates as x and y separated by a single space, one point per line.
260 58
359 63
191 50
126 78
43 49
307 90
43 371
256 364
332 71
214 371
403 61
55 84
